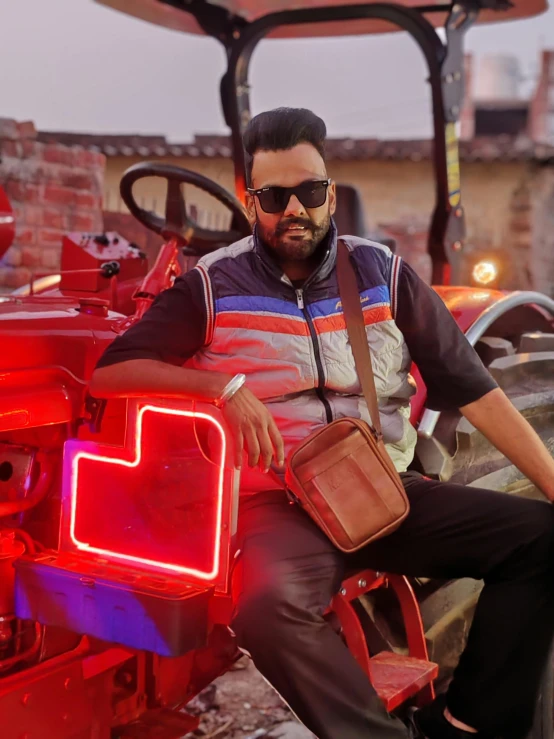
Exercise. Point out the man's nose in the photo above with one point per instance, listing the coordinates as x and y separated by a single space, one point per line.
294 208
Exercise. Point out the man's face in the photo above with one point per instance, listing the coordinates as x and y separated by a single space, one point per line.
295 233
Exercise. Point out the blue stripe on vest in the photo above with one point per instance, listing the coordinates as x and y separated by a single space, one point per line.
330 306
257 304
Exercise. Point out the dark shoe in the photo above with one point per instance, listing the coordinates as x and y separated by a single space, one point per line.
414 729
429 723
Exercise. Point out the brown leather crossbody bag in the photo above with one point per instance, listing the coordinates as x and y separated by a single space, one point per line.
342 475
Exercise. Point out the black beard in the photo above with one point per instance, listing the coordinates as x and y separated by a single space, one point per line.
287 248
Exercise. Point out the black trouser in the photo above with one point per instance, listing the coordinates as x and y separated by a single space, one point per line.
288 571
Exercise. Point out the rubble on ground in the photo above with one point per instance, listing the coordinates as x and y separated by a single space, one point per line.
242 705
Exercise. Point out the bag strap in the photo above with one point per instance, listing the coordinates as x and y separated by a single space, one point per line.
355 326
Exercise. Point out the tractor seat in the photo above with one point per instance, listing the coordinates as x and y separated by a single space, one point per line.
395 677
350 220
349 215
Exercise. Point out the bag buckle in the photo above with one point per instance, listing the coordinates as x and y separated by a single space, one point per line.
377 435
293 498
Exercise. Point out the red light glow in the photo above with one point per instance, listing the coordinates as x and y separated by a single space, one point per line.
89 494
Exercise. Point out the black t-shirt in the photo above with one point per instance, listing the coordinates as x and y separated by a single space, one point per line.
173 330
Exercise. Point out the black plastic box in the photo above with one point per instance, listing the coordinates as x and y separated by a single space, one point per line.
138 609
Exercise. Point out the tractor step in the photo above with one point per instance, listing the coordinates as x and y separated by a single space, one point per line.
396 677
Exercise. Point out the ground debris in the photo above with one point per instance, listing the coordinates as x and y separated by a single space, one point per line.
241 705
290 730
205 701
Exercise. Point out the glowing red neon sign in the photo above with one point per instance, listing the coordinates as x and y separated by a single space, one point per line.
75 487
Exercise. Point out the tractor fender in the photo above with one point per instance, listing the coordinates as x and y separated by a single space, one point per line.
476 310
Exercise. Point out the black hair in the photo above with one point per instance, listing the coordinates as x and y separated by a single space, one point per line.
281 129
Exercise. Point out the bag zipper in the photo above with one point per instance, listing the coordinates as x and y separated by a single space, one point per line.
318 362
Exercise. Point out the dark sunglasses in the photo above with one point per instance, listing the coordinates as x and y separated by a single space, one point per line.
274 199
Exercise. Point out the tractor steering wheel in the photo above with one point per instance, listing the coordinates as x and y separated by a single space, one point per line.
177 223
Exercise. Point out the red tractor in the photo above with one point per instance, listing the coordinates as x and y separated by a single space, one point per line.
117 519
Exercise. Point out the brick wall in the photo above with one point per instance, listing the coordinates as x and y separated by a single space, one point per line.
52 189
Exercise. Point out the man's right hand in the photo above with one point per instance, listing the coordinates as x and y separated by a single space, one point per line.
254 430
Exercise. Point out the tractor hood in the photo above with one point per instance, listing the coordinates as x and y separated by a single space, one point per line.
40 332
50 348
192 17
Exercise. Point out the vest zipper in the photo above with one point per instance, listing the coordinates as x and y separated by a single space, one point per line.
318 362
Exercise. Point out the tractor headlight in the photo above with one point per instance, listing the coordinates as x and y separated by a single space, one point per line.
484 272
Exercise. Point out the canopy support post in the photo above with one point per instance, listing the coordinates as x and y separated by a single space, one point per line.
446 78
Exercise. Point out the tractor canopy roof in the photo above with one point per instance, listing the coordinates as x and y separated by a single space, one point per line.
196 16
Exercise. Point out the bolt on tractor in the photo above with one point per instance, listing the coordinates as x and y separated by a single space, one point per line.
117 527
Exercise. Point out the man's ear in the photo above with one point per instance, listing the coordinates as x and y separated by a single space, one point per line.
332 198
251 208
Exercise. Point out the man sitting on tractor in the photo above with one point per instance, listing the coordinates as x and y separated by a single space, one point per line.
268 306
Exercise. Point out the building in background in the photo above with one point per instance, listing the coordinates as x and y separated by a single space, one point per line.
507 162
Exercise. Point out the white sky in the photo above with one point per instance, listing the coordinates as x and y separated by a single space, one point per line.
73 65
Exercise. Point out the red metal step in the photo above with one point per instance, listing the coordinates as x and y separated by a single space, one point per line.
396 677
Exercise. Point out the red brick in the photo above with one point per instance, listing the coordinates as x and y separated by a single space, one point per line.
18 213
31 148
10 148
17 277
22 191
57 195
8 129
89 159
31 215
79 181
50 258
37 171
98 182
88 200
521 223
522 240
47 236
27 130
98 223
13 256
53 218
80 222
31 256
4 271
84 158
57 154
25 236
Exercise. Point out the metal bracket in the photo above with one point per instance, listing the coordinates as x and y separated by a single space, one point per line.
95 408
462 16
448 225
213 20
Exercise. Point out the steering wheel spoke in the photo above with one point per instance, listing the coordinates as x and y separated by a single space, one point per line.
175 208
178 223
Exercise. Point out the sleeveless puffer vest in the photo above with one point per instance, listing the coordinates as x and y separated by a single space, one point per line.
293 346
